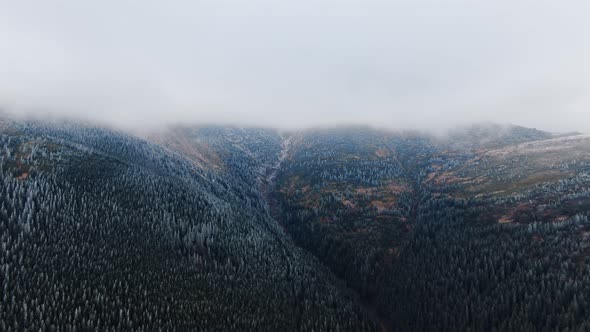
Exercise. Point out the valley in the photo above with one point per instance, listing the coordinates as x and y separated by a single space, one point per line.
341 229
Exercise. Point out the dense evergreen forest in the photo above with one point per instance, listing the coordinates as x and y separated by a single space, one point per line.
475 232
103 231
350 229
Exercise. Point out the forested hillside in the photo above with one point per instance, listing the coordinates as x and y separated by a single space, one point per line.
104 231
349 229
482 230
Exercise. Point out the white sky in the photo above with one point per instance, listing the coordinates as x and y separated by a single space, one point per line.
297 63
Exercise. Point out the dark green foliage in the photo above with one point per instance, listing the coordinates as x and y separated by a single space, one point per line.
462 277
439 262
104 231
108 232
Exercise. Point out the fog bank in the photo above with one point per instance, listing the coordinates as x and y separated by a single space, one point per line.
399 64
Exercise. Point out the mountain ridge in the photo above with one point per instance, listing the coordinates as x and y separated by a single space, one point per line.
348 228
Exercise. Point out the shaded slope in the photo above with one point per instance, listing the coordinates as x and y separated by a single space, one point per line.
111 232
451 265
488 232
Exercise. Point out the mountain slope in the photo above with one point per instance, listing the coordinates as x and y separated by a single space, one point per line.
101 230
226 228
441 236
434 234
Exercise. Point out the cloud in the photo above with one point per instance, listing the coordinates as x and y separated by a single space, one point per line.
419 63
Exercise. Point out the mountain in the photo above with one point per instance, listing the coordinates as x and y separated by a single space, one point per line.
103 231
480 234
351 229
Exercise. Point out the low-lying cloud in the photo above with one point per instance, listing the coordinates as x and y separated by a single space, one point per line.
422 64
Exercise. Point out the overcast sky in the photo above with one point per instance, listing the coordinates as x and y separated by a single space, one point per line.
297 63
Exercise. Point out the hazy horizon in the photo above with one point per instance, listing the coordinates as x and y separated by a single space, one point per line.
401 65
147 131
